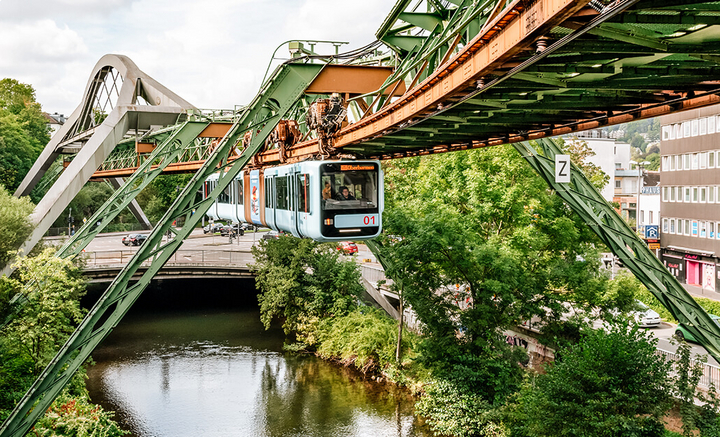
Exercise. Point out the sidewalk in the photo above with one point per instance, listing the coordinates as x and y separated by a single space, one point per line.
701 292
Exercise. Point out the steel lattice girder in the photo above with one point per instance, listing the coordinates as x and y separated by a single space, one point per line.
172 147
589 204
280 92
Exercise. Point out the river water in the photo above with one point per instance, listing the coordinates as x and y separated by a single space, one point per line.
217 372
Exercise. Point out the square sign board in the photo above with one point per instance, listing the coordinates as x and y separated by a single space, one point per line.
562 169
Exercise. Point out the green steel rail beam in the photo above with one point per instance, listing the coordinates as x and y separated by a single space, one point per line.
281 91
587 202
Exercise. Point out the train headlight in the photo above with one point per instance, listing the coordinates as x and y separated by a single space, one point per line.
328 222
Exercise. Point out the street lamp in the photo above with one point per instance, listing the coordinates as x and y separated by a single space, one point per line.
638 214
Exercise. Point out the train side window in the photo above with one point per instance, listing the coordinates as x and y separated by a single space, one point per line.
238 192
224 197
303 194
281 193
268 192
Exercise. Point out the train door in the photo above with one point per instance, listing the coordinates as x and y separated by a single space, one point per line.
239 199
270 200
302 202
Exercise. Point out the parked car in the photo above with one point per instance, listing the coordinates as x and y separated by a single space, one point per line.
213 228
228 229
270 235
645 317
134 239
347 247
682 333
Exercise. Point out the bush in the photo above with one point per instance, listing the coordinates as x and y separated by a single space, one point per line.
611 384
364 338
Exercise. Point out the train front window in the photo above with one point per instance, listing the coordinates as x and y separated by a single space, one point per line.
349 186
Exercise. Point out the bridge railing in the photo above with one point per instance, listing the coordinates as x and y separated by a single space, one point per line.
191 257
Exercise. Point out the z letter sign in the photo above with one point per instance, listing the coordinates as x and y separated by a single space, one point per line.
562 168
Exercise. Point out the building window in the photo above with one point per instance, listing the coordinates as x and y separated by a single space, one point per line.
711 159
703 194
717 230
694 228
695 161
687 227
703 160
711 230
695 127
711 194
678 131
623 205
672 225
703 229
665 226
618 183
687 129
650 219
686 161
641 217
694 194
618 166
703 126
665 194
711 125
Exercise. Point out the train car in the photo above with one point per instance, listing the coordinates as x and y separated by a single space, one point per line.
322 200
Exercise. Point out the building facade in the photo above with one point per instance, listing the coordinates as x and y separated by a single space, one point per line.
690 197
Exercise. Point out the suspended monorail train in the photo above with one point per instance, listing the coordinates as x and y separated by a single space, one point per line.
322 200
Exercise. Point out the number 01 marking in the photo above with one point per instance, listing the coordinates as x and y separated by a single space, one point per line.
369 220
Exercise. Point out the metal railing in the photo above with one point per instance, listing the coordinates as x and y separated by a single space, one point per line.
710 375
374 275
107 258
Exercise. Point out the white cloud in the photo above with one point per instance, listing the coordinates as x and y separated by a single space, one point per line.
212 53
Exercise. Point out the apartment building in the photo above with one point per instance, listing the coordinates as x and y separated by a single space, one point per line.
690 197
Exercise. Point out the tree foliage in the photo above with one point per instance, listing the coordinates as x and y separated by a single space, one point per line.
15 224
51 288
301 281
485 246
23 131
611 384
51 309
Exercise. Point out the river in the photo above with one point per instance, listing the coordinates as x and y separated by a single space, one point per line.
215 371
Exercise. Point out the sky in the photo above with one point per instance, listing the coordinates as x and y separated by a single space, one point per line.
212 53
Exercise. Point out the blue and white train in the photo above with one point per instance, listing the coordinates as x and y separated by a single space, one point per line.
322 200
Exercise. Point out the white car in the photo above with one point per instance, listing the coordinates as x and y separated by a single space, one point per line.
644 316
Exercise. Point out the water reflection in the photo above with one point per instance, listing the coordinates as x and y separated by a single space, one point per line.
222 374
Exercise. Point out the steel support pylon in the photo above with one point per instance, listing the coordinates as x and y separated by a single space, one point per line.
587 202
275 100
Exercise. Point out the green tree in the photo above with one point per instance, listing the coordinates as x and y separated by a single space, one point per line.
610 384
23 131
486 246
15 225
301 282
654 160
51 309
36 332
